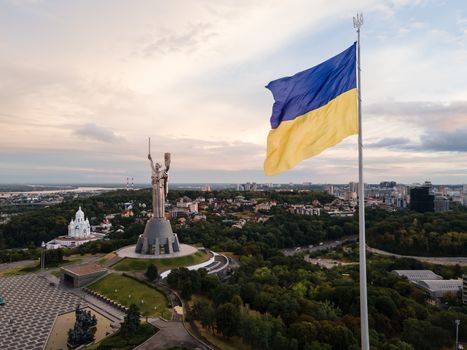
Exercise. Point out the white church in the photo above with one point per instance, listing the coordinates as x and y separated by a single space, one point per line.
79 227
79 232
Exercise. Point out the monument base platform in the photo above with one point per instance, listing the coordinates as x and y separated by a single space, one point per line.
129 252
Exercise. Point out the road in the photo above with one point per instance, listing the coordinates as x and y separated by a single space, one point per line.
318 247
462 261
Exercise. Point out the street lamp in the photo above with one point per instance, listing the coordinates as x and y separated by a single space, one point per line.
43 256
457 333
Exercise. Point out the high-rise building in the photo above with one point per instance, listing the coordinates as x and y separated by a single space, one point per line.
349 195
401 189
388 184
441 204
353 186
421 199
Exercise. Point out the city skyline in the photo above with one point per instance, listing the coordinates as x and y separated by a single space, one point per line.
84 87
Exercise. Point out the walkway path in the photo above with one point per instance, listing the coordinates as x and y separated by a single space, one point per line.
170 333
16 264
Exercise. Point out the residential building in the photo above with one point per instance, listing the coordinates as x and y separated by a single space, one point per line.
441 203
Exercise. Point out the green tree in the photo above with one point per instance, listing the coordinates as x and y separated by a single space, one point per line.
205 313
131 321
227 319
152 273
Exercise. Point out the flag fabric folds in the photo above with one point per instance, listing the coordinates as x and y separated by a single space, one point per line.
313 110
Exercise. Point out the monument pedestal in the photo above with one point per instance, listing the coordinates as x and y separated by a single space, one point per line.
158 238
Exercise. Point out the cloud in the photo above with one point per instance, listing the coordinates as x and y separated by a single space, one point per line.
191 76
187 41
426 114
432 140
445 141
390 142
98 133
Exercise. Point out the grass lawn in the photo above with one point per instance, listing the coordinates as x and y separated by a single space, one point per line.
117 341
127 291
130 264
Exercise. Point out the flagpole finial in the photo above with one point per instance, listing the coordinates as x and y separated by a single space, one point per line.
358 21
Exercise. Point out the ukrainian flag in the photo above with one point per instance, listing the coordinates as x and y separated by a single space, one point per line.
313 110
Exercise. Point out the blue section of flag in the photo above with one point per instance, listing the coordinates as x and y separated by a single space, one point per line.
314 87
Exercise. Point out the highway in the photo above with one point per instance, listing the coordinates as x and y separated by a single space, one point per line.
319 246
461 261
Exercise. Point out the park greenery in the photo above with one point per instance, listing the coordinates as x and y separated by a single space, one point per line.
132 332
124 342
403 232
131 322
152 273
427 234
279 302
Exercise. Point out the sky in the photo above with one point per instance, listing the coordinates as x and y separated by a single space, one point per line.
85 83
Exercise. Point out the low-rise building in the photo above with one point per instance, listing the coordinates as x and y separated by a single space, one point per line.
80 275
304 210
438 288
432 284
417 275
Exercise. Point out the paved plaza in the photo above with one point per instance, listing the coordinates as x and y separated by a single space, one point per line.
129 252
31 305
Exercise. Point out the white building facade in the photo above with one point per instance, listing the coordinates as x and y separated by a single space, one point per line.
79 227
79 232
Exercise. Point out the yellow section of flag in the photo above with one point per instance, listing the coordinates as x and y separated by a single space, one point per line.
311 133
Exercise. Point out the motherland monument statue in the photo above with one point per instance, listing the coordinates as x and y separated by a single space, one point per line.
158 237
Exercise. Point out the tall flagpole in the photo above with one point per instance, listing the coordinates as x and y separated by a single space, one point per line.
357 23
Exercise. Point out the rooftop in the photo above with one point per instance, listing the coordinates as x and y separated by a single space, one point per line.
417 275
82 270
441 286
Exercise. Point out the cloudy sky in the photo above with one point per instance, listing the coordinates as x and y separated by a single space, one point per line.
85 83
